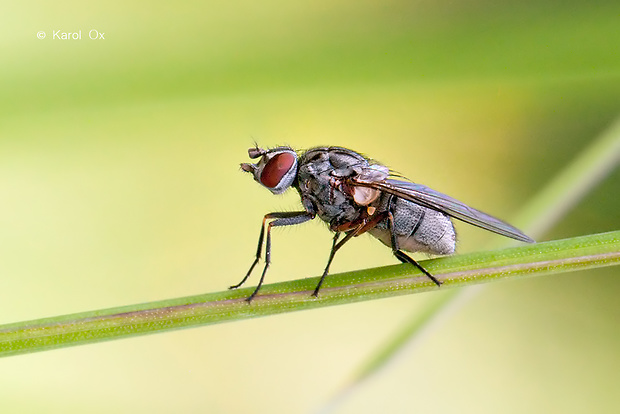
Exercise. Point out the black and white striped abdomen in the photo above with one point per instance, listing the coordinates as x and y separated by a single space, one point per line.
417 228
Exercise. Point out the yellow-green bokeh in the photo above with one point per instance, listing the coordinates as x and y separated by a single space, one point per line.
119 183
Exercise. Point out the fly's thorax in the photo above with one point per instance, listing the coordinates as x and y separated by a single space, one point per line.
276 170
330 202
321 178
340 162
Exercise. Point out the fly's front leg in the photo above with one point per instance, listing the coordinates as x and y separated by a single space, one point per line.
400 255
281 219
259 251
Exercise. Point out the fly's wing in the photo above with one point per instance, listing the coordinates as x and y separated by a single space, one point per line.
429 198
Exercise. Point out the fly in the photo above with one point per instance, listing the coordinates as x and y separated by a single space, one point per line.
354 195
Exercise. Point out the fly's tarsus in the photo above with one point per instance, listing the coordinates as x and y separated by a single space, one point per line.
403 257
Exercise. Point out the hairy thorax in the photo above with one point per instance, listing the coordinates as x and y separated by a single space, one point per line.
320 170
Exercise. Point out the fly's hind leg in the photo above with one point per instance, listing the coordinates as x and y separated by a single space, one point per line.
281 219
400 255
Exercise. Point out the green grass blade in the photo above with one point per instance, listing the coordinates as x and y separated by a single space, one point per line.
463 270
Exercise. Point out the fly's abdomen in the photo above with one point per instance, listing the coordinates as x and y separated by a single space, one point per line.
418 229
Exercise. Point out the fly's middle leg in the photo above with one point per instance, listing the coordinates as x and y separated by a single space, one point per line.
362 227
332 253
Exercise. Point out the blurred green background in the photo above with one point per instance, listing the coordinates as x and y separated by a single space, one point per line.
119 184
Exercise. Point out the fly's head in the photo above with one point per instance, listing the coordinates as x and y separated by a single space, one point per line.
276 169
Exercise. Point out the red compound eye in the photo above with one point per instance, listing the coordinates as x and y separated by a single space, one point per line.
276 168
